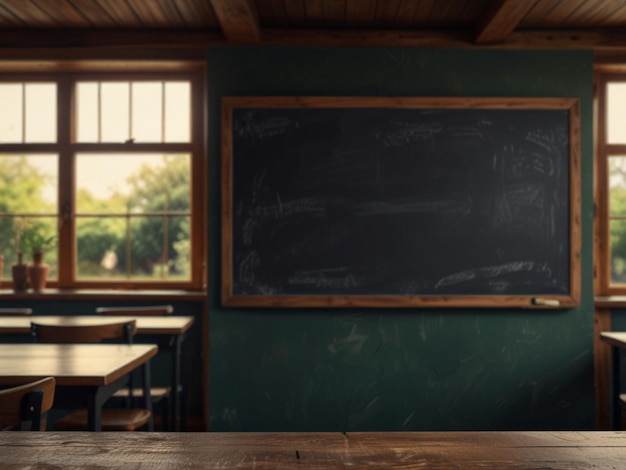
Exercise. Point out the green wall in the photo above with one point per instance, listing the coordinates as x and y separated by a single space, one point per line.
399 369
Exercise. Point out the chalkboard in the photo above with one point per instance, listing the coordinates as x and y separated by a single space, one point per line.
403 202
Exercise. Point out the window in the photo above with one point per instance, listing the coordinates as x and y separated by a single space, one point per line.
108 169
611 183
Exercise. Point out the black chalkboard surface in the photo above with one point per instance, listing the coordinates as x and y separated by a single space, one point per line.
400 202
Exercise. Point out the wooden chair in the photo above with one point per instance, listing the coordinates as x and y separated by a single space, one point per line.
28 402
113 419
15 311
160 396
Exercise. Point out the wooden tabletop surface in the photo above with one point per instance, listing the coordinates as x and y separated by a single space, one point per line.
567 450
71 364
172 325
615 338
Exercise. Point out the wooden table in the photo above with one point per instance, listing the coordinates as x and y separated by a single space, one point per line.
172 329
146 325
567 450
617 340
85 373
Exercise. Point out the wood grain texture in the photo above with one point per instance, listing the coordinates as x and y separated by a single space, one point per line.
238 19
498 23
94 294
611 361
360 12
610 301
15 311
248 21
12 410
277 451
96 333
295 12
614 338
157 13
150 325
71 364
62 12
20 42
575 202
197 13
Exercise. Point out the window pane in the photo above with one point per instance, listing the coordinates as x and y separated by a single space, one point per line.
132 183
115 104
87 111
12 111
617 208
157 250
100 246
133 209
147 111
618 251
160 247
41 112
616 115
28 191
180 250
617 186
177 112
28 183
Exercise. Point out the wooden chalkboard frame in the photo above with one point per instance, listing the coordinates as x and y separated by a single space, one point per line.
230 299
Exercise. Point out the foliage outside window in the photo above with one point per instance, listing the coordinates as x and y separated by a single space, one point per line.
106 170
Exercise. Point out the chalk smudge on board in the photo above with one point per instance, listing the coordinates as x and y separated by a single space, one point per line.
487 272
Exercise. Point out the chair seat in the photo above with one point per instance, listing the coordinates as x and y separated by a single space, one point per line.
113 419
159 396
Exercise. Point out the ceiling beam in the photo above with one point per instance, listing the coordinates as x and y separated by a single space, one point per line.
500 20
14 41
546 39
238 19
17 39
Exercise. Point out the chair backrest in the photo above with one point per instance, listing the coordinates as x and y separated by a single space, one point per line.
15 311
130 311
43 333
28 402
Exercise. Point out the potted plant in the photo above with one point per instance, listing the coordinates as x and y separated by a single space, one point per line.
34 240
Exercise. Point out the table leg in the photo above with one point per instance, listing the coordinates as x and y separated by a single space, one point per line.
146 393
94 410
616 412
176 382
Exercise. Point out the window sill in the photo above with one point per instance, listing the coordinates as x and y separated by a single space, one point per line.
109 294
610 301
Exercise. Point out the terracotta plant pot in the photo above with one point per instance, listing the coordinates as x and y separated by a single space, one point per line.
38 275
38 272
19 273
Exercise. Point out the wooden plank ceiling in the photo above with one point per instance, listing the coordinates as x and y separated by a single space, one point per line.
598 24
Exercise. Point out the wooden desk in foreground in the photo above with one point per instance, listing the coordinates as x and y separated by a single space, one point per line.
567 450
